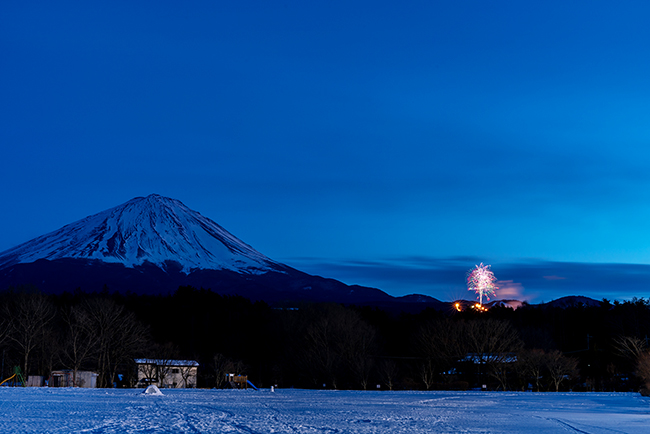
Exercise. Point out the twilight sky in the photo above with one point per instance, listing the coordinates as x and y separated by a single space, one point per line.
386 145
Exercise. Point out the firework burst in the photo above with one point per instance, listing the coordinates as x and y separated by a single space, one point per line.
481 280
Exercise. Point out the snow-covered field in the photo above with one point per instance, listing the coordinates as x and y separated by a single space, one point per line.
46 410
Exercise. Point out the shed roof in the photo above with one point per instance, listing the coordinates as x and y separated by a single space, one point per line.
166 362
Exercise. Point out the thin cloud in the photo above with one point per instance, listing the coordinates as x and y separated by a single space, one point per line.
510 289
554 277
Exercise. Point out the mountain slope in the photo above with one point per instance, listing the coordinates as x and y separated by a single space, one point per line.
572 301
152 229
153 245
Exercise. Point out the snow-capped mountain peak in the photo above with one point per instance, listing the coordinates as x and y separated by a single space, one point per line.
151 229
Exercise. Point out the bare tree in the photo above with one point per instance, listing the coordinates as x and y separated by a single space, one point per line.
428 372
29 315
321 357
636 351
188 373
441 344
165 356
536 365
493 344
630 346
164 369
358 345
643 371
335 341
5 325
80 342
560 368
221 366
388 371
530 366
120 336
149 370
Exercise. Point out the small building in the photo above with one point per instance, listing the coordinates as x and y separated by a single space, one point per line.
483 358
67 378
35 381
167 373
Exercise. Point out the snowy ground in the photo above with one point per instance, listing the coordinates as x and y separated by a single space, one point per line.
45 410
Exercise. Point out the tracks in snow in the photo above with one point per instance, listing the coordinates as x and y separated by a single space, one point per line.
572 428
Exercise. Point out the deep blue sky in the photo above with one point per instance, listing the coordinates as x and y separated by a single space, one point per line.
388 145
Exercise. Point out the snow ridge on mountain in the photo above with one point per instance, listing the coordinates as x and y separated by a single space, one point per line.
152 229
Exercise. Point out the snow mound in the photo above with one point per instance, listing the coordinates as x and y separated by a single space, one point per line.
152 391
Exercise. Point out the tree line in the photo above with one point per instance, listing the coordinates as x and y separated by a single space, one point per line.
537 348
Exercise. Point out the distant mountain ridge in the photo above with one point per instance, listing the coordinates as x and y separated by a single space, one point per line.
572 300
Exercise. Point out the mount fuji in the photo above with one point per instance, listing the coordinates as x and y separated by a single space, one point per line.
151 229
152 245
